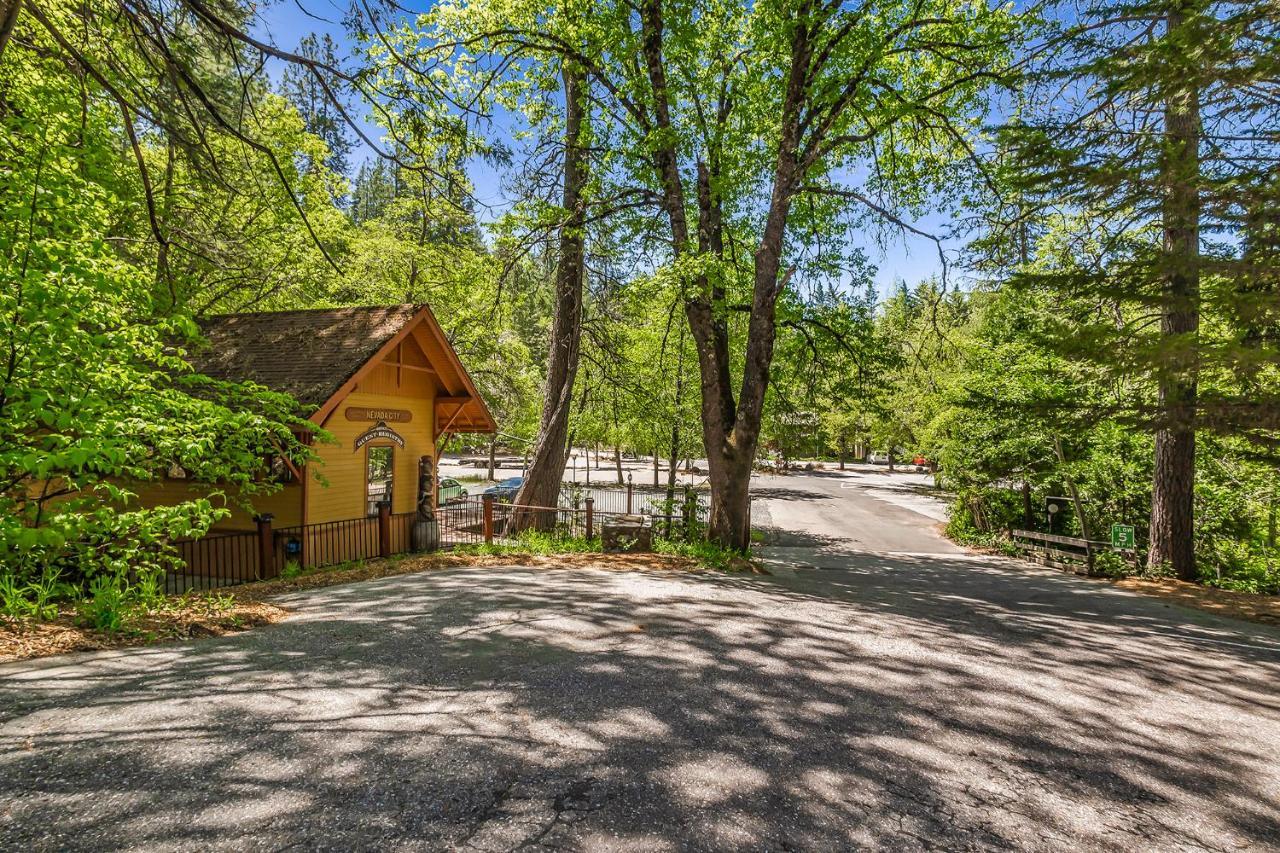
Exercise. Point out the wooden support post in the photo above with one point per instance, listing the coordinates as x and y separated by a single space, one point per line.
628 494
591 516
384 528
487 502
266 547
689 513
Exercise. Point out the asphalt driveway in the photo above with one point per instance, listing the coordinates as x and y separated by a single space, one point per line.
867 700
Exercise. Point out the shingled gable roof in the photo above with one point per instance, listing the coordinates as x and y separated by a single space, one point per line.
312 354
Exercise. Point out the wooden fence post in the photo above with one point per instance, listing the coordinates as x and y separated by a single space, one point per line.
384 528
591 515
487 502
628 494
266 547
690 512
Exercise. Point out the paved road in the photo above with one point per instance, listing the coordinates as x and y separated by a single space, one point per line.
877 696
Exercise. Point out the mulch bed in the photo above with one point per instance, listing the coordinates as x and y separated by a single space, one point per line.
1264 609
411 565
180 621
1248 606
193 617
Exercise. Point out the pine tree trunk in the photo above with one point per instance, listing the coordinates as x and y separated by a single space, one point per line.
1172 541
550 452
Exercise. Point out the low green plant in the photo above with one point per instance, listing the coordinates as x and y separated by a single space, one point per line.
291 570
35 600
15 606
218 603
106 606
483 549
537 542
148 590
709 554
543 542
1111 564
47 591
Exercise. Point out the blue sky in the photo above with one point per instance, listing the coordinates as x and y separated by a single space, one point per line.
903 257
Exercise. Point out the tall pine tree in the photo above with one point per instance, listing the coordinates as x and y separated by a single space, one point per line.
1152 124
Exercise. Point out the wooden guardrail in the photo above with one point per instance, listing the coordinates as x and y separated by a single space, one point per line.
1060 552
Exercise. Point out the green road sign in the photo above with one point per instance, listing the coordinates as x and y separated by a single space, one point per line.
1122 536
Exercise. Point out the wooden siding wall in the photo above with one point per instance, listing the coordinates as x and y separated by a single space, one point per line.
285 505
345 497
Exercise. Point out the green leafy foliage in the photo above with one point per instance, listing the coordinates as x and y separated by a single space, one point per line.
95 394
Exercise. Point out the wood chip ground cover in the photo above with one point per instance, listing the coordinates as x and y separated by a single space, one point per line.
246 607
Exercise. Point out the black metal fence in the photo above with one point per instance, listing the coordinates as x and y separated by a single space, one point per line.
579 512
226 559
218 559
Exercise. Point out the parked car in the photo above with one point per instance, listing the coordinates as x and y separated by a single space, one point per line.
506 490
879 457
450 490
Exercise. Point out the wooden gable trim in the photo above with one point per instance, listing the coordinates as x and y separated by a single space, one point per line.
460 406
329 406
488 424
426 320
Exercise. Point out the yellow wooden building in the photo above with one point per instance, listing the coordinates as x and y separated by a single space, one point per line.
383 381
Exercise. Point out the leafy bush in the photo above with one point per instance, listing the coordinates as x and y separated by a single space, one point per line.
35 600
534 542
98 392
709 554
106 605
1111 564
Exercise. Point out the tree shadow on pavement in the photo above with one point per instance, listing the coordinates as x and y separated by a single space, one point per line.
897 702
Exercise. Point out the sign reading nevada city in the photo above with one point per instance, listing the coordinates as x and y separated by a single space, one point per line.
381 431
364 413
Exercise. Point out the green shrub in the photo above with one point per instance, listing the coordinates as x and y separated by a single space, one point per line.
709 554
46 592
1111 564
36 599
148 590
106 606
14 602
537 542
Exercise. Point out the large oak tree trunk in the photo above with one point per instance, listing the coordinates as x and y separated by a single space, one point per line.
550 451
1173 483
730 428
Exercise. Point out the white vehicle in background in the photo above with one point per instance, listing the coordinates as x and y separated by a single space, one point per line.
879 457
